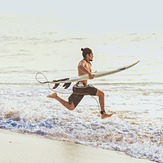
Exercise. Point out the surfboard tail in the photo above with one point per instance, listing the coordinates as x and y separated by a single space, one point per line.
66 85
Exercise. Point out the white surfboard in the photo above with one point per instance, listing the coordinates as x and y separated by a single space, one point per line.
68 81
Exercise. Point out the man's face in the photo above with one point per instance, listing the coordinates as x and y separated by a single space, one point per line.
91 57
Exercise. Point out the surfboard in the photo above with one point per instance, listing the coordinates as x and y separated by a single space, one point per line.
67 81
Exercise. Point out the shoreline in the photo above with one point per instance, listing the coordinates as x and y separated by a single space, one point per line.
25 148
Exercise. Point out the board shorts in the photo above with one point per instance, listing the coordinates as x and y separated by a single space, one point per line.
79 91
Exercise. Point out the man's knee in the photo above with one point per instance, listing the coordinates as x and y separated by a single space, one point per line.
72 106
100 93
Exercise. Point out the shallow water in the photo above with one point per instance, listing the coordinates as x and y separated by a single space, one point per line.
134 96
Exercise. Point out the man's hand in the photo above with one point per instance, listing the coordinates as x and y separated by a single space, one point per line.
91 76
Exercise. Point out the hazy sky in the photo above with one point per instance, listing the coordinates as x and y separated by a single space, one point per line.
112 15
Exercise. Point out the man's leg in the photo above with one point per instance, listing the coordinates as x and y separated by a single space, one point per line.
69 106
100 94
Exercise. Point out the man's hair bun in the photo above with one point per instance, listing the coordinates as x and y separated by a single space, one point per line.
86 51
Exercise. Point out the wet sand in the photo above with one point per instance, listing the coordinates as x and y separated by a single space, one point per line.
23 148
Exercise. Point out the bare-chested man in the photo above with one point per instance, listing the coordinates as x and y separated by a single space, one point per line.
82 88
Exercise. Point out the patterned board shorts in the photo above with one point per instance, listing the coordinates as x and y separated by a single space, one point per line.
79 91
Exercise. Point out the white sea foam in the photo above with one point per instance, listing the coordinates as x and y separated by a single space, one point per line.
131 129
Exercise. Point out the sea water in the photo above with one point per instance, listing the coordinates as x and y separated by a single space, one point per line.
134 95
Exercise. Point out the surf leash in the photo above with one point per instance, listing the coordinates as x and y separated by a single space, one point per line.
46 81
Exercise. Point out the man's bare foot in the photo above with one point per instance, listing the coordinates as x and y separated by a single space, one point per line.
105 116
54 95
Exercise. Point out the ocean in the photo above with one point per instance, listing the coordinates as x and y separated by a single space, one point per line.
134 95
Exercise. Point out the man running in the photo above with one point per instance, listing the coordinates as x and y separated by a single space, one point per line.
82 88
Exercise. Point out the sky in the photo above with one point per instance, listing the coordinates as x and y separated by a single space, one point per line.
94 15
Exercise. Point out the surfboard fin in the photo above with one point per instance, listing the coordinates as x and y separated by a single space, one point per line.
55 86
66 85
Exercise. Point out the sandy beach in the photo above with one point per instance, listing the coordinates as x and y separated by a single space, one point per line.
23 148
